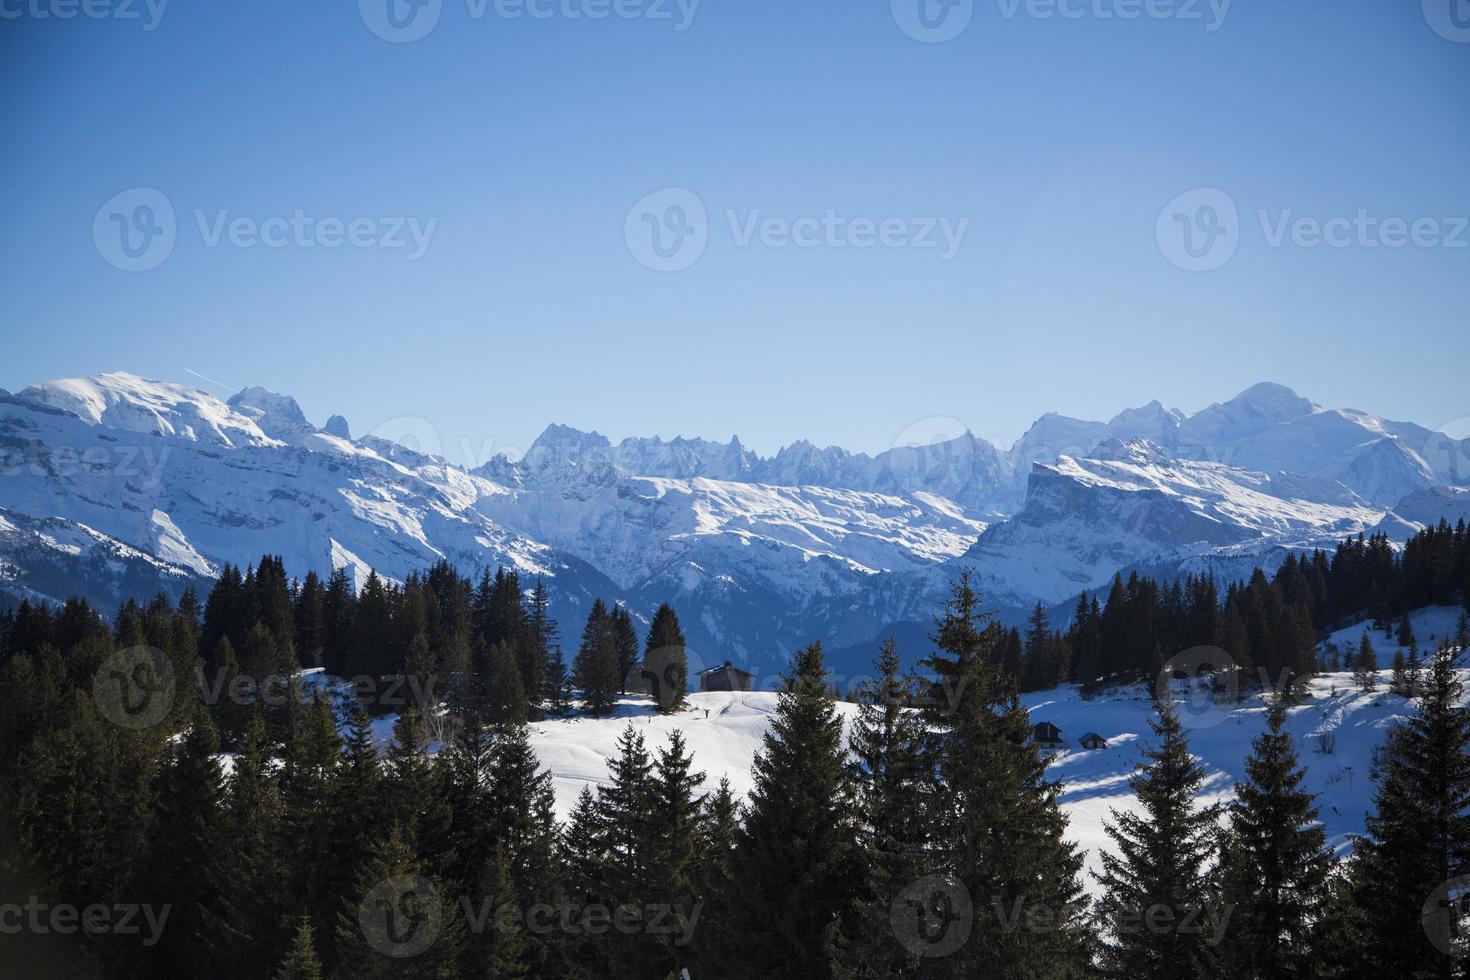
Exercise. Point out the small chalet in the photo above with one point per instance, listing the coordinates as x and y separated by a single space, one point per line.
1092 740
724 678
1045 735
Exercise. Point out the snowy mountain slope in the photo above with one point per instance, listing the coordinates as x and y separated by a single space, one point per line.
576 750
758 554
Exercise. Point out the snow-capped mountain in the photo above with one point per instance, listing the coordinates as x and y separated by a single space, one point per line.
118 484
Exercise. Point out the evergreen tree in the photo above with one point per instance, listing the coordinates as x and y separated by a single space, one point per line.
1419 835
665 662
792 858
1276 865
1156 904
998 829
301 962
400 924
595 671
496 946
558 683
245 936
625 643
188 832
674 845
890 785
1365 665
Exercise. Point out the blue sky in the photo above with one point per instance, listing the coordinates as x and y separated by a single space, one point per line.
1057 143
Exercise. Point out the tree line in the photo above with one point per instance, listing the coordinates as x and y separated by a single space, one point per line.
923 842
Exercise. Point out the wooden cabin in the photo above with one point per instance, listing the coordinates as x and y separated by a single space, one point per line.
1092 740
1047 736
725 677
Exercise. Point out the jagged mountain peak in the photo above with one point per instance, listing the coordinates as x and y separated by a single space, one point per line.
277 415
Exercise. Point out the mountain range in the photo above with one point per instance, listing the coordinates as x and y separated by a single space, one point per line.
117 485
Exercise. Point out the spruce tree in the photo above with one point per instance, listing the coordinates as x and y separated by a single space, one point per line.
793 853
1276 865
665 661
890 793
246 935
625 644
998 829
189 833
301 962
400 922
1419 836
674 846
1365 665
496 946
1157 906
595 672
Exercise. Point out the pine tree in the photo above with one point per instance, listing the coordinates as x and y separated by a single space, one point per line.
497 945
793 853
665 661
1276 865
674 845
245 936
997 826
307 778
1419 835
714 943
414 794
1157 905
595 671
890 787
1365 665
400 924
301 962
1400 683
625 643
558 683
189 829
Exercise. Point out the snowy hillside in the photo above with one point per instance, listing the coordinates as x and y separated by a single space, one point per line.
724 731
759 554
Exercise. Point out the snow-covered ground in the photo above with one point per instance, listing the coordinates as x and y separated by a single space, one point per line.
724 732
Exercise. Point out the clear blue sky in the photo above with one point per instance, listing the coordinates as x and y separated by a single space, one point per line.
528 140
